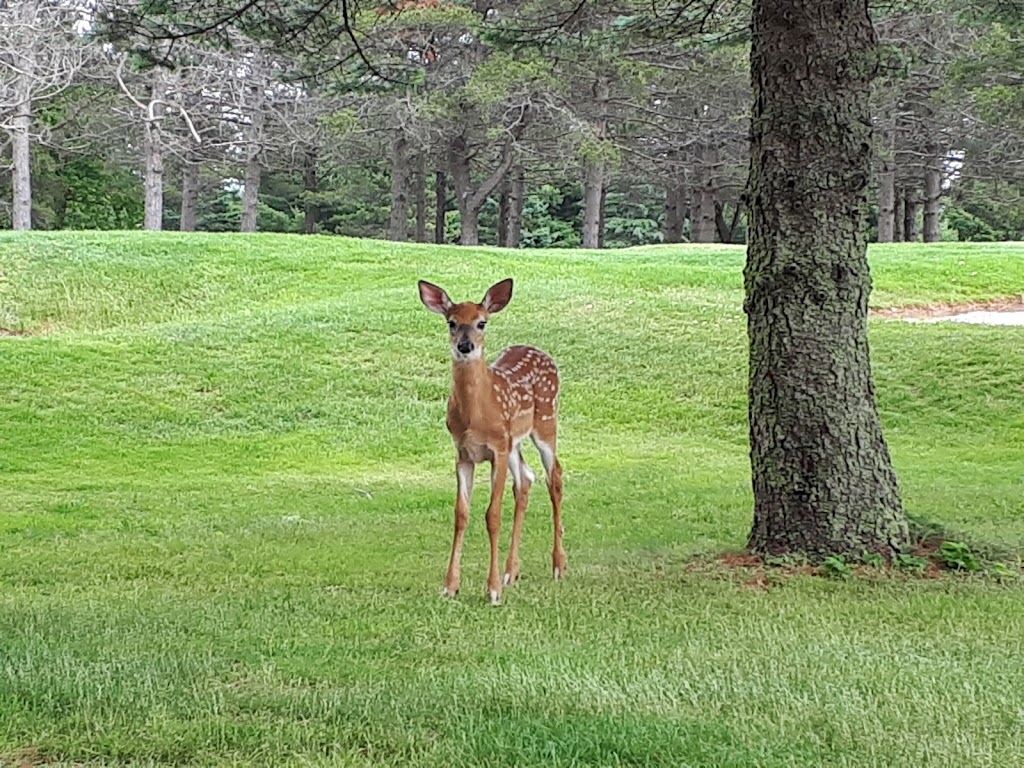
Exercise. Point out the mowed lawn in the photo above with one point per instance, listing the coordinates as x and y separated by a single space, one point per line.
226 496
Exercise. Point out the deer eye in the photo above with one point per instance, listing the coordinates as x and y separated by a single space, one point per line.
481 324
451 325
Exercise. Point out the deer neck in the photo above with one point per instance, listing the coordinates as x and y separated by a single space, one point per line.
472 387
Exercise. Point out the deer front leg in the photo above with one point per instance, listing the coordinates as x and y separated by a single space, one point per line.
464 475
499 472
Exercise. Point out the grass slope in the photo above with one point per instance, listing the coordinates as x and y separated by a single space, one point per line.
225 513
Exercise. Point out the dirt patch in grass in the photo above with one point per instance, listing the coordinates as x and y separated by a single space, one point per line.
926 311
923 560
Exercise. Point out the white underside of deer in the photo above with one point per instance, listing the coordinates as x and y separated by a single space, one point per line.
491 411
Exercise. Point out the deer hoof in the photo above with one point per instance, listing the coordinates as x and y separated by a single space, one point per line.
493 597
445 592
558 573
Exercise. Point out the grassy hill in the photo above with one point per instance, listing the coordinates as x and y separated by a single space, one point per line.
226 499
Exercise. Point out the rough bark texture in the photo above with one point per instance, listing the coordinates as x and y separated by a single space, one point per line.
398 224
897 216
822 477
310 186
189 196
910 217
440 206
153 152
420 199
932 194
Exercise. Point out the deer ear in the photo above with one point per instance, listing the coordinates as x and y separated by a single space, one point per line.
434 297
498 296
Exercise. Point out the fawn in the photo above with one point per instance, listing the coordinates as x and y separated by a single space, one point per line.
491 410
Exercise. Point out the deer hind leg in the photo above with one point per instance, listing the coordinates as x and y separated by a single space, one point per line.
546 443
464 474
499 473
522 479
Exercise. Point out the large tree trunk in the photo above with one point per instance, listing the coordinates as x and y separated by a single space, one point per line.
823 479
440 206
153 153
932 193
310 186
189 196
897 216
398 224
420 194
910 216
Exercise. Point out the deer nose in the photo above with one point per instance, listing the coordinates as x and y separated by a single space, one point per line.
465 346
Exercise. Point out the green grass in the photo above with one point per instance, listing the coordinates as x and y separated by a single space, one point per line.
226 500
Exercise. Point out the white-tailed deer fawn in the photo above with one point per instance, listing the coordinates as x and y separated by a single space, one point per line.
491 410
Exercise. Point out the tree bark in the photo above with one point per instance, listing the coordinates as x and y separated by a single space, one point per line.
898 215
727 230
932 195
594 171
398 226
440 206
675 213
21 157
886 204
254 150
310 185
514 211
21 121
910 217
822 476
702 206
503 201
420 194
593 188
887 189
153 152
189 196
471 201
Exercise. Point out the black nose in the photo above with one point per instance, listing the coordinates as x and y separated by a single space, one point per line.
465 346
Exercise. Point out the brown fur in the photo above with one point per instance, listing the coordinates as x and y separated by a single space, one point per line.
491 410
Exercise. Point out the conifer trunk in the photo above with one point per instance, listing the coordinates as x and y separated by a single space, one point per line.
822 476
